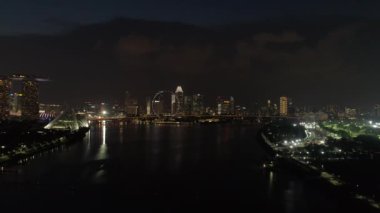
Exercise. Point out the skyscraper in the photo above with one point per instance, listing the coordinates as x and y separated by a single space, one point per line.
29 103
283 106
130 105
5 85
179 100
173 104
197 104
225 106
188 105
148 106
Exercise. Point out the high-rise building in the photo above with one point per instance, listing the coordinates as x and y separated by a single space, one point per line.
5 86
19 96
29 103
232 105
179 100
225 106
376 110
350 112
197 107
291 107
130 105
15 104
173 104
187 105
283 106
148 106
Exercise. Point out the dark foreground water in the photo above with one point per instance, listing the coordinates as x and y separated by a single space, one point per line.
120 168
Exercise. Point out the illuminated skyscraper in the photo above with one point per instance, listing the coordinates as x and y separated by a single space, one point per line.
179 100
5 86
173 104
15 104
283 106
225 106
188 105
29 103
148 106
376 110
131 105
197 105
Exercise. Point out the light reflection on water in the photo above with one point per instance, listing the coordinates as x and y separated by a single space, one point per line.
271 183
102 151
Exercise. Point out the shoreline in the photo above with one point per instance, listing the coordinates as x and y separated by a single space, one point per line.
330 181
68 139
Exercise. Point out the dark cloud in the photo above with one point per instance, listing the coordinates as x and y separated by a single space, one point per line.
313 65
60 24
286 37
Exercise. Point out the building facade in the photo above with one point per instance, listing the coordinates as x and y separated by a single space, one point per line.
197 105
179 100
225 106
29 101
283 106
5 90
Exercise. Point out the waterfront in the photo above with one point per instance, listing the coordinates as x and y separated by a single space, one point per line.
170 168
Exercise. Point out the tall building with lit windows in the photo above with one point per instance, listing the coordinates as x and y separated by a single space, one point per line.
179 98
29 103
148 106
131 107
283 106
197 107
25 96
225 105
5 86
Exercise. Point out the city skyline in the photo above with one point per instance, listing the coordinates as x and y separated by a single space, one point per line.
189 106
23 101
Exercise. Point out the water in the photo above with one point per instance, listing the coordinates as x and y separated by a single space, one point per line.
142 168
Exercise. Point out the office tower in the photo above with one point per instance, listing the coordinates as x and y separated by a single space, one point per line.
130 105
376 110
350 112
179 100
197 104
283 106
5 86
148 106
232 106
291 107
29 103
15 104
188 105
225 106
173 104
133 108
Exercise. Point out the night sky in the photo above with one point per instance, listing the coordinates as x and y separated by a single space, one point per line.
318 52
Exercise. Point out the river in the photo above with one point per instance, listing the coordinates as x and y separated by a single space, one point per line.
165 168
